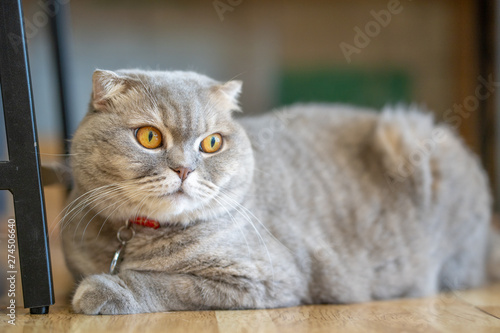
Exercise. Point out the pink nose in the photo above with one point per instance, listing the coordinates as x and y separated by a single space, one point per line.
183 172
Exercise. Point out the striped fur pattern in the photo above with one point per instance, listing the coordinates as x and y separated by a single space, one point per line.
308 204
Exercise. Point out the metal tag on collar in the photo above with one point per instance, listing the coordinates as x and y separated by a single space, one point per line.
123 239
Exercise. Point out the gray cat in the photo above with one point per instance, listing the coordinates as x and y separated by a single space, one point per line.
310 204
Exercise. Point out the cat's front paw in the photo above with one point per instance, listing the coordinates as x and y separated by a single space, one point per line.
104 294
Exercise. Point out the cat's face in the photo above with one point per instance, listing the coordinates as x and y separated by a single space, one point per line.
161 145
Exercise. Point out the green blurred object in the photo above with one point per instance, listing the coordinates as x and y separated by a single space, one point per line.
371 88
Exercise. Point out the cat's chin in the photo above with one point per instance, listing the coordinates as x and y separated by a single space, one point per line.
177 207
177 195
180 206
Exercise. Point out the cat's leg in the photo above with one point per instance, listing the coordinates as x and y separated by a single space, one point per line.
425 283
466 268
105 294
137 292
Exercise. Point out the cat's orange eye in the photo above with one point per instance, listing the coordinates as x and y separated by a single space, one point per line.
211 143
149 137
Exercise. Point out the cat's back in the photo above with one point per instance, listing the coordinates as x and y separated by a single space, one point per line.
313 164
315 147
344 179
306 120
308 134
332 157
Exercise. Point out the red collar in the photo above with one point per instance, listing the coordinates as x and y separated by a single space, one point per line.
145 222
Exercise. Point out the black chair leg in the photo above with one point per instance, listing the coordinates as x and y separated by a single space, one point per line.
60 34
21 174
40 310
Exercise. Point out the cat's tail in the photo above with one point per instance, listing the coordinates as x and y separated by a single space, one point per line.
494 254
403 138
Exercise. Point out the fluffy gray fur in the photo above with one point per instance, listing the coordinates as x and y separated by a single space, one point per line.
310 204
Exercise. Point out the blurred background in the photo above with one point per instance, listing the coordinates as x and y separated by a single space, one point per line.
439 54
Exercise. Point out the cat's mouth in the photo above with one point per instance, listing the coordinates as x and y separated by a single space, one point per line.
179 192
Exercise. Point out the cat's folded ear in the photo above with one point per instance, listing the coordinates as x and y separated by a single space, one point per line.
105 86
227 94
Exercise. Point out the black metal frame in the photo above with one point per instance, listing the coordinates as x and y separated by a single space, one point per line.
60 33
21 174
486 22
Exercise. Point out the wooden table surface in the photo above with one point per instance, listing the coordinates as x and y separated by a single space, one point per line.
465 311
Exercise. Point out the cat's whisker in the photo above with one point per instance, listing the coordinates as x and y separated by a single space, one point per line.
98 197
122 200
67 210
257 219
110 198
63 155
114 210
249 220
132 196
233 219
141 205
203 195
128 196
235 77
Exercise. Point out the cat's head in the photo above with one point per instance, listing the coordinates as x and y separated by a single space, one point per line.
163 145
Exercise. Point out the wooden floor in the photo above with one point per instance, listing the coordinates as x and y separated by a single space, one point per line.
466 311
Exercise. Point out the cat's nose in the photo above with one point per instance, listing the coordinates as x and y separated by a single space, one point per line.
182 172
